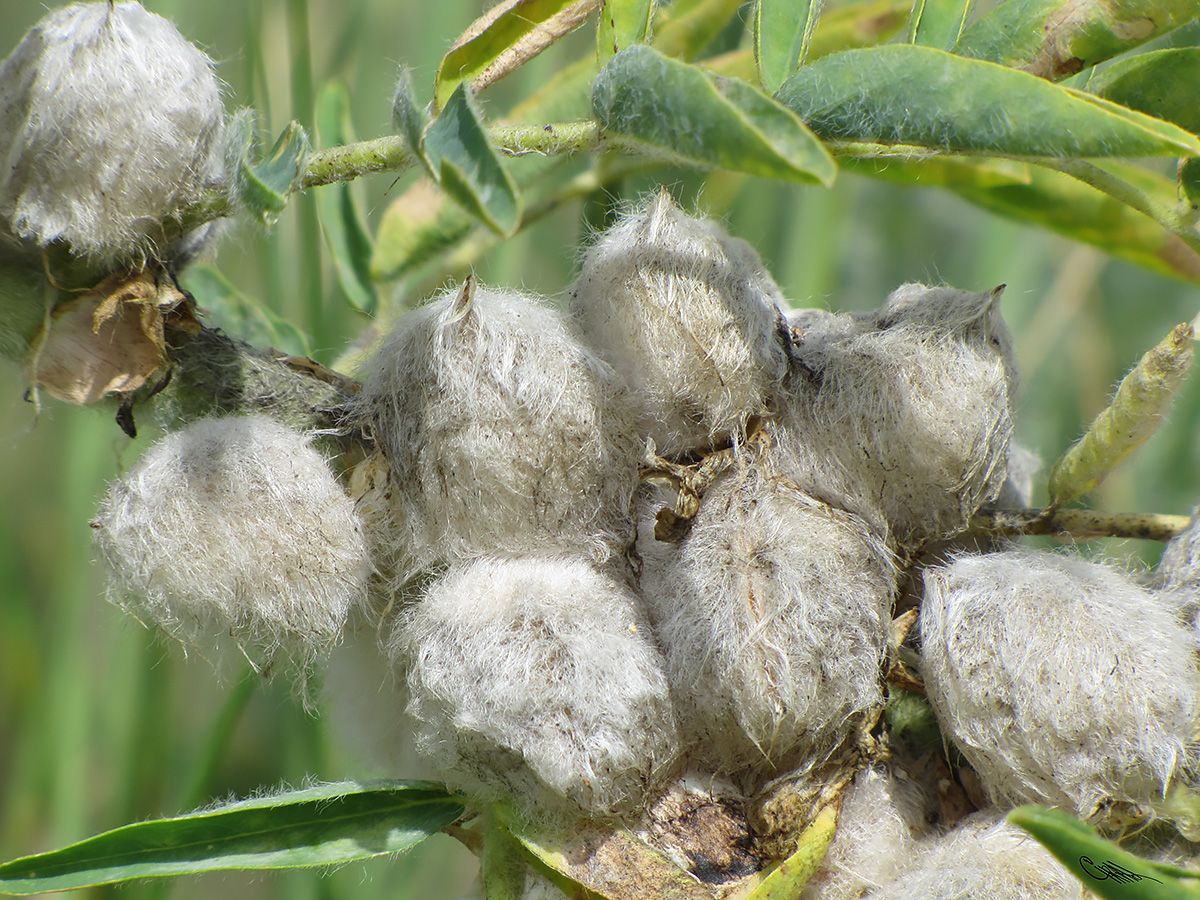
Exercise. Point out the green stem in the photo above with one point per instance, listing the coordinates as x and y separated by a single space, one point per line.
1082 524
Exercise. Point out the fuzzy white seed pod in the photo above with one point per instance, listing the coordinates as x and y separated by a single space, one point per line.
235 527
537 679
1062 681
984 858
1179 569
503 434
773 614
110 123
880 822
903 415
688 314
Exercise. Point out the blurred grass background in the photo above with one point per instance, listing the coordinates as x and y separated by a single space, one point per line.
101 724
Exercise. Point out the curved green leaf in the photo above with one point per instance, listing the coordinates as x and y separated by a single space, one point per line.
337 209
783 31
787 880
224 306
469 168
681 111
410 120
319 826
263 187
1057 38
921 96
505 37
938 23
1161 84
1102 866
622 24
1134 414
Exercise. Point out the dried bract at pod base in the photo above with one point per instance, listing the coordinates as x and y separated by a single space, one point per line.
503 434
773 614
984 858
1062 681
538 680
688 314
235 527
110 123
903 415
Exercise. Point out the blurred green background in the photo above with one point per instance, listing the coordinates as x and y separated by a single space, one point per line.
101 724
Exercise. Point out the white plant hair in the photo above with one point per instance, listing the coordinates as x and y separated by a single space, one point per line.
502 432
110 123
236 528
689 316
537 679
1062 680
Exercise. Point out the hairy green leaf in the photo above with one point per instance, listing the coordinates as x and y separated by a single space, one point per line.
1057 38
680 111
1161 84
469 168
1134 414
508 35
914 95
1102 866
224 306
319 826
410 120
263 187
937 23
337 209
783 31
622 24
786 880
1052 200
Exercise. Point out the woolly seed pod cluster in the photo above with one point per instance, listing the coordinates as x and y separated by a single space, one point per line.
236 526
110 123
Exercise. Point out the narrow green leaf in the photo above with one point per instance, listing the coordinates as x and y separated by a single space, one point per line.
227 308
337 210
1056 38
1054 201
502 866
680 110
1161 84
787 880
685 28
906 94
1102 866
938 23
469 167
622 24
508 35
263 187
410 120
1189 181
1136 411
783 31
320 826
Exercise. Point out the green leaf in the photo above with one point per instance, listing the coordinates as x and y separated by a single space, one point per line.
469 168
938 23
686 27
227 308
410 120
1102 866
1161 84
680 110
920 96
319 826
1052 200
622 24
502 867
1136 411
1189 181
1057 38
263 187
337 210
787 880
504 38
783 31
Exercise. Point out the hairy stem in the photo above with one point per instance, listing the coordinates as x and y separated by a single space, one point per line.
1081 524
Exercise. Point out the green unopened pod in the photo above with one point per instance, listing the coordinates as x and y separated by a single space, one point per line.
1063 681
689 316
110 124
235 528
902 415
